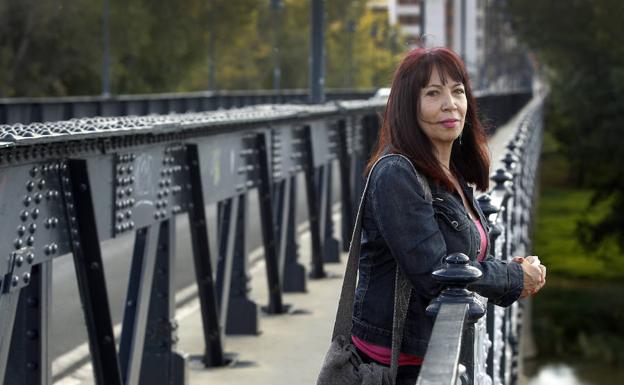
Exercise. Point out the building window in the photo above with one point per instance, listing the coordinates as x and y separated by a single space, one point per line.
409 19
405 2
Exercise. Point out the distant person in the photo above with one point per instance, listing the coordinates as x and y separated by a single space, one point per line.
431 119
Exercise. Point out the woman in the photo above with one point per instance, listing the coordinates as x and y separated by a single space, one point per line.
430 118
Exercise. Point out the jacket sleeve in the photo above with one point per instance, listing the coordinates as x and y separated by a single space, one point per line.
407 223
501 282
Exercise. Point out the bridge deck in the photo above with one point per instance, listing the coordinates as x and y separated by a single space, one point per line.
290 348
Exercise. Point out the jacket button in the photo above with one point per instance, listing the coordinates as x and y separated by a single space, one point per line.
455 224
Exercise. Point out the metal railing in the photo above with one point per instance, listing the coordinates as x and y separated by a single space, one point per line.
465 347
67 186
29 110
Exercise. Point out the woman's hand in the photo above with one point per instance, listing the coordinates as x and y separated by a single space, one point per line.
534 274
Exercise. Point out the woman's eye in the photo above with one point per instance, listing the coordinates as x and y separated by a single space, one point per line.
460 91
432 93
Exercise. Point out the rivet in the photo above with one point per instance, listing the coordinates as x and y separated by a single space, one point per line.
35 213
34 171
118 228
32 228
38 198
83 187
27 200
130 169
120 194
157 215
30 186
131 223
21 230
30 258
19 261
32 301
94 266
129 191
120 217
54 247
15 280
42 184
30 240
18 243
44 168
26 277
55 221
128 214
47 250
32 334
159 195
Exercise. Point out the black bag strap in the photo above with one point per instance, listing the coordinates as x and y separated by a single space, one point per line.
402 289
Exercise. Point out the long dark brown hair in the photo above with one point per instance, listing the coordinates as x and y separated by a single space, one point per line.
400 132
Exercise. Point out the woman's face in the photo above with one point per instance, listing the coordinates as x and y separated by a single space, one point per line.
442 109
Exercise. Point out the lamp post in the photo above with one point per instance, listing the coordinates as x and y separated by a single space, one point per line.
317 55
276 8
105 49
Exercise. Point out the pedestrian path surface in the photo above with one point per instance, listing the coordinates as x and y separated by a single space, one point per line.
290 347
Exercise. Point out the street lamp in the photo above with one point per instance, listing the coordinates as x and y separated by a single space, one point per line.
276 8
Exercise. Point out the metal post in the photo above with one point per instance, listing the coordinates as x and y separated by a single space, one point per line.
317 55
90 273
275 305
106 49
293 275
160 364
28 360
137 303
213 347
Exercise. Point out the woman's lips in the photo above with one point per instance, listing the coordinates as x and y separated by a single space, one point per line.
449 123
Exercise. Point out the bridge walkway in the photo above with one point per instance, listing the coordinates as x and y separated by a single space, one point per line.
290 348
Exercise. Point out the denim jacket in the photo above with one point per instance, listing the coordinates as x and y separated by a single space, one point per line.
400 225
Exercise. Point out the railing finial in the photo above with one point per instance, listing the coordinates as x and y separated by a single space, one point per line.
456 276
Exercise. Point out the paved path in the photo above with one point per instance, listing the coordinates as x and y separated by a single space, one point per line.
290 348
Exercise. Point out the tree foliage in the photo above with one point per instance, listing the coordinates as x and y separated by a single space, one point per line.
54 47
580 42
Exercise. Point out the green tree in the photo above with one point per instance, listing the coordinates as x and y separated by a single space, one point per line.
580 44
49 48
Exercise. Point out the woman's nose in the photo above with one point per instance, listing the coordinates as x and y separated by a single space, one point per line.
448 103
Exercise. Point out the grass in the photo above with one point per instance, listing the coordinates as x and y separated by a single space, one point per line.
580 311
559 209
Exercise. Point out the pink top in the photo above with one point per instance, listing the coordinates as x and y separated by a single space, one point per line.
383 354
483 236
